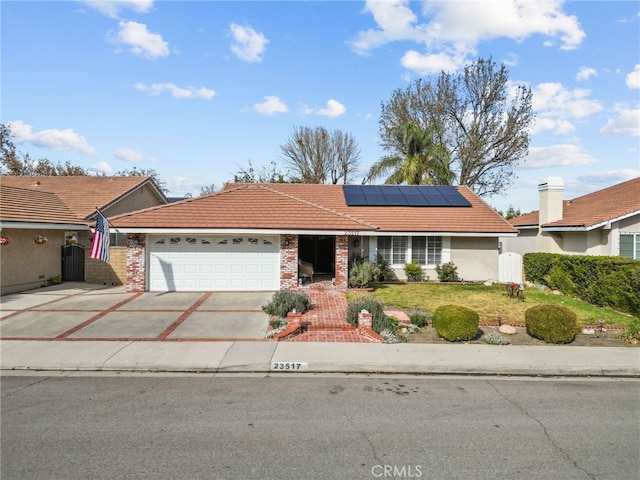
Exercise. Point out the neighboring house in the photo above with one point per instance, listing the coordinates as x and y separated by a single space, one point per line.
606 222
252 236
62 209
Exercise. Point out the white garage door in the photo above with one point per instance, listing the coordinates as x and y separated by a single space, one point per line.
203 263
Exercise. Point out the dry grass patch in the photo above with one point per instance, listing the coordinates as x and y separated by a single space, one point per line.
489 301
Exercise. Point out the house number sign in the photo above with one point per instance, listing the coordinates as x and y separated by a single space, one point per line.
289 366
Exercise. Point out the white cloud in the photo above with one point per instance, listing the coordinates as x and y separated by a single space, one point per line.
140 40
102 167
54 139
111 8
610 177
134 156
271 105
627 122
556 156
555 106
249 45
585 73
334 109
633 78
176 92
431 63
454 29
181 186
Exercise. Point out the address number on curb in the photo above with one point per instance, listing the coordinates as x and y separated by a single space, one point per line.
289 365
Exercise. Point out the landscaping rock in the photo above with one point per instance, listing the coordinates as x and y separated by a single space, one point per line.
507 329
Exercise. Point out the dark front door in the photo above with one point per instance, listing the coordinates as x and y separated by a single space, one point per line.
320 250
73 263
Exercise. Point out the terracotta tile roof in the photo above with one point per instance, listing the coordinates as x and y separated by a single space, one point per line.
311 207
32 206
594 208
82 194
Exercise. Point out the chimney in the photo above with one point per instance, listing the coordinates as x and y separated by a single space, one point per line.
551 200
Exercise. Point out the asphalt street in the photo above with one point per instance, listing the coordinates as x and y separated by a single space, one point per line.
163 426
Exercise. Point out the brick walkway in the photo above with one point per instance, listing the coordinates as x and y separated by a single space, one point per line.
326 321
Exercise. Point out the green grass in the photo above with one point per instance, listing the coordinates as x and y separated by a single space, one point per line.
489 302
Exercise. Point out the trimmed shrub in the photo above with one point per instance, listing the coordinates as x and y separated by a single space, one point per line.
413 271
418 319
363 274
285 301
447 272
368 303
455 323
551 323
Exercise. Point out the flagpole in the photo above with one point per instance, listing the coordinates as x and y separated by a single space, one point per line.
108 221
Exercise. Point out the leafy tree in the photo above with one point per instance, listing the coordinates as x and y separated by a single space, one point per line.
483 125
142 172
16 163
422 160
269 174
320 156
511 213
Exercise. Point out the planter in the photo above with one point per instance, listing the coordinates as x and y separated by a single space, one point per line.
40 239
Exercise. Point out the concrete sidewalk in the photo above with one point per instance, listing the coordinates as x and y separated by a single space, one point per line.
267 357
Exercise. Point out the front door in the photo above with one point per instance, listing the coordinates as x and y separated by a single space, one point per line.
320 250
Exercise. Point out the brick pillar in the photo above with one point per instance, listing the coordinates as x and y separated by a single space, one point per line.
365 319
136 262
294 319
342 261
288 262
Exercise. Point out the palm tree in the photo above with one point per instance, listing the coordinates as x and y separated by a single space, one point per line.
421 161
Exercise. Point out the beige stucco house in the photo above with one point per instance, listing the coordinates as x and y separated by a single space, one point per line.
606 222
61 210
266 236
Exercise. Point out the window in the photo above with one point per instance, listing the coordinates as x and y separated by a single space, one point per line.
423 251
419 250
630 245
434 251
393 249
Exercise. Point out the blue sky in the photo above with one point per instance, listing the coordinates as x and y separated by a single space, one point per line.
196 90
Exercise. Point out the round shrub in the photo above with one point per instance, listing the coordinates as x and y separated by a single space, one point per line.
551 323
285 301
455 323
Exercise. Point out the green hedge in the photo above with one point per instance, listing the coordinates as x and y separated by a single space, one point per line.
612 282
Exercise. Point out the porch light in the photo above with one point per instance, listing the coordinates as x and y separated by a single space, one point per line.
356 242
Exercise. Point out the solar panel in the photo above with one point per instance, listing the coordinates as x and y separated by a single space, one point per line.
403 195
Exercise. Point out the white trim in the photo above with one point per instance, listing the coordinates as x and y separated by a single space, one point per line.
39 225
591 227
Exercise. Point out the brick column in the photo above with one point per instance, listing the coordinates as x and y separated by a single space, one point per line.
342 261
136 262
365 319
288 262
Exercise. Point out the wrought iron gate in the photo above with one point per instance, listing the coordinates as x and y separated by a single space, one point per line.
73 263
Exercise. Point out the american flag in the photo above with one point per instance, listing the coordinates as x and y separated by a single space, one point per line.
100 242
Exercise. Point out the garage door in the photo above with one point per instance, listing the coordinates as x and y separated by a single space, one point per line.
203 263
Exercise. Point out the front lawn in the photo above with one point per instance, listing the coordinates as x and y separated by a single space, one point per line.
489 302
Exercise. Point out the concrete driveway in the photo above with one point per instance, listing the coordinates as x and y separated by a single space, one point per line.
80 311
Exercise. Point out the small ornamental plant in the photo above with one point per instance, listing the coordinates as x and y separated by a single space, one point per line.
447 272
414 272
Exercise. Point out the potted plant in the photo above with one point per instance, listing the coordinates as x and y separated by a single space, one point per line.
414 272
40 239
